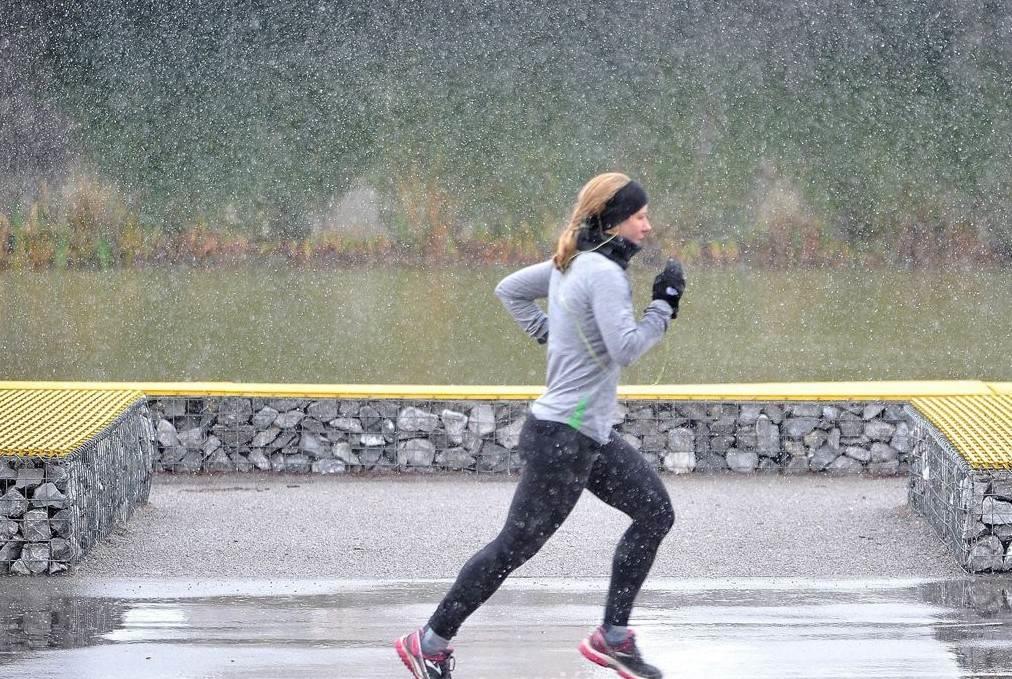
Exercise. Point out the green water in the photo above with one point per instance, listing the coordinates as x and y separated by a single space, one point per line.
445 326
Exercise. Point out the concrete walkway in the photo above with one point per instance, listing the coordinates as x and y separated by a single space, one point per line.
406 527
251 577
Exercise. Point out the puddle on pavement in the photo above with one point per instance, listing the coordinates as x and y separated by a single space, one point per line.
753 628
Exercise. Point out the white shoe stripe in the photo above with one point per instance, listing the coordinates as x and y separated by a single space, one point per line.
417 669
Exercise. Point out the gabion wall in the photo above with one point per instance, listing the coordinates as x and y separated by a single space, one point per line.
53 510
337 436
970 510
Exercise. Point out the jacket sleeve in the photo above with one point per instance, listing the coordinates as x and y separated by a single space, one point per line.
625 338
518 293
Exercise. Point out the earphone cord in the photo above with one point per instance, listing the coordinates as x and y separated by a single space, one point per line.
569 313
596 247
583 337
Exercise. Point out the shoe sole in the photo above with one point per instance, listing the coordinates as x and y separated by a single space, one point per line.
605 661
408 659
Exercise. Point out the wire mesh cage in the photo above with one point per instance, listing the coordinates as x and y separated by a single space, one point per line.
201 434
37 521
970 509
54 509
334 436
770 437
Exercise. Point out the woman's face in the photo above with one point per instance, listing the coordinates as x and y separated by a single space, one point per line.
635 228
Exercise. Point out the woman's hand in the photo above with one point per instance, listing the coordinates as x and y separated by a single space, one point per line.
669 285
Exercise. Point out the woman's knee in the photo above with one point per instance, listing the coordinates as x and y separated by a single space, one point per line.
665 517
658 515
518 544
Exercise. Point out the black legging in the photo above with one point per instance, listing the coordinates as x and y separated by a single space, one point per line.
560 463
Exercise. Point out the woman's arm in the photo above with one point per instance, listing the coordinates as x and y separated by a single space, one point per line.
625 339
518 291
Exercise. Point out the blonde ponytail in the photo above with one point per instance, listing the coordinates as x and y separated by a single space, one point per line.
590 201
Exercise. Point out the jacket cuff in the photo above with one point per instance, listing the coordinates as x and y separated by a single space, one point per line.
663 309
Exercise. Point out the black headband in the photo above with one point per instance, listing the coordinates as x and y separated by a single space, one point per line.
626 202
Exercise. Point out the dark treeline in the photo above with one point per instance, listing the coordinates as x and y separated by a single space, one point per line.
793 132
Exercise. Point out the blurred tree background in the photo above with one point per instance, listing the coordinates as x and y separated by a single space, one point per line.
794 133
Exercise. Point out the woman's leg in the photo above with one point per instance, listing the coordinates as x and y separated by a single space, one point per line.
558 463
624 480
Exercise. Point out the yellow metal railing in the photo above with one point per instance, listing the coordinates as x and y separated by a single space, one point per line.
781 391
978 427
56 422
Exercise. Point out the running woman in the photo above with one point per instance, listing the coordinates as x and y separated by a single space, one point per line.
567 442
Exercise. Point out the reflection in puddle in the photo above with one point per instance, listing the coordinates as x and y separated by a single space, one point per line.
753 628
33 622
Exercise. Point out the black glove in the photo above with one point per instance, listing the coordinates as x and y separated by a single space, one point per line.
543 339
670 284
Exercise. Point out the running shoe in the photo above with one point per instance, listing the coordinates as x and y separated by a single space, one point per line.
438 666
624 658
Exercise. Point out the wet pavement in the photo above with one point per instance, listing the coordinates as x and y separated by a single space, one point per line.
720 628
